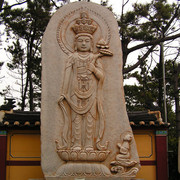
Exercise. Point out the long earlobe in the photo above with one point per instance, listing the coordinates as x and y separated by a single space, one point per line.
75 48
91 49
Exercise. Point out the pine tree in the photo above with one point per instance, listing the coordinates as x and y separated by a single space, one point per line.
149 24
25 26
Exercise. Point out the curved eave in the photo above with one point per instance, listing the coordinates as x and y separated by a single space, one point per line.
26 120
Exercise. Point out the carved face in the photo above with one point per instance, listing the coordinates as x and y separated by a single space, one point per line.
83 43
128 137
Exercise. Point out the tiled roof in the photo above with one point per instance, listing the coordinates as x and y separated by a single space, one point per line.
20 119
146 119
31 120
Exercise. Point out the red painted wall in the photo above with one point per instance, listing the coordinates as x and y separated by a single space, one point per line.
3 151
161 157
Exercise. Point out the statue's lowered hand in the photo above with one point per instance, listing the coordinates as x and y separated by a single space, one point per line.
91 67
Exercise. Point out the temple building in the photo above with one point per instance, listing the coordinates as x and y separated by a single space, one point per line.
20 152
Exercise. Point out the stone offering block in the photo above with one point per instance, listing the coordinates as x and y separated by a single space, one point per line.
85 131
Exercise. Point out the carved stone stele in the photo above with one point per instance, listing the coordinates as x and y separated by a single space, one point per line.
85 130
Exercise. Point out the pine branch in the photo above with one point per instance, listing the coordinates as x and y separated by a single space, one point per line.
1 4
9 7
54 4
127 70
154 42
176 14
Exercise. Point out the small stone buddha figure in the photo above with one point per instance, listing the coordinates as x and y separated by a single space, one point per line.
82 90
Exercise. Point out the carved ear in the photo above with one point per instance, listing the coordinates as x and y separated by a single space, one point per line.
75 47
91 49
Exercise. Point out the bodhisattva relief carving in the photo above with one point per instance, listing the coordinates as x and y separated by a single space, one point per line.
82 90
81 144
83 107
123 165
81 103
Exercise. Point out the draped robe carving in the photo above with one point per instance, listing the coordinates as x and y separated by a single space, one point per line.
82 90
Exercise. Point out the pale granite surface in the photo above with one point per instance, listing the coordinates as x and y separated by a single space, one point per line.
73 136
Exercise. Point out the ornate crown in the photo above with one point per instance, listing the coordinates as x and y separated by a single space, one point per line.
84 25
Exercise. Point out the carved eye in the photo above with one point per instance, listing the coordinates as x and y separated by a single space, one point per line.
80 40
87 40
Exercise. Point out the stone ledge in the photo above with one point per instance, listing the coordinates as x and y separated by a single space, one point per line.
37 179
101 178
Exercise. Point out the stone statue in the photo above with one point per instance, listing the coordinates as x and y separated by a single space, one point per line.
82 89
123 165
83 111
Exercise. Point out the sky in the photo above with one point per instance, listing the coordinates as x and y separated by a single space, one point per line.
6 79
117 4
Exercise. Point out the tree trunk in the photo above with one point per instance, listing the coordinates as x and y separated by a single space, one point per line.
31 93
160 75
29 72
124 43
177 105
30 59
1 4
25 93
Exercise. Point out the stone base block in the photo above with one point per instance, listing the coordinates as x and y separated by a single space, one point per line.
83 170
